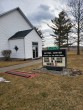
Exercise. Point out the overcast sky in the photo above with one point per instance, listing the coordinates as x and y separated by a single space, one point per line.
39 12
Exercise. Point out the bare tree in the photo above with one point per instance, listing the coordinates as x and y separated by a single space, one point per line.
76 9
41 35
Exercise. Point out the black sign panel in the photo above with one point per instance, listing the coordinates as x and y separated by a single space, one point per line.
54 53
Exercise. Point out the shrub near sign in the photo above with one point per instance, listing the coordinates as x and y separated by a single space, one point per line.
54 58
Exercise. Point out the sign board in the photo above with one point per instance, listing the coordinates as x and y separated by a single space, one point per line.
54 58
53 48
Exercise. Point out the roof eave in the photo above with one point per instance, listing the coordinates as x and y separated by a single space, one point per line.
15 38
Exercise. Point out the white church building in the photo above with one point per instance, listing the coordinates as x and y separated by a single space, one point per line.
18 35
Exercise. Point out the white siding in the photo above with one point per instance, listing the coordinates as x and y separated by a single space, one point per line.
9 25
20 52
32 37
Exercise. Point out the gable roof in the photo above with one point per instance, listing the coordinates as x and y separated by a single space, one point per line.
18 9
3 14
20 34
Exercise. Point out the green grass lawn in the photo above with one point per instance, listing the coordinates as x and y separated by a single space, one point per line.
45 92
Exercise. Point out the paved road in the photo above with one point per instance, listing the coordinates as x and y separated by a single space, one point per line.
33 62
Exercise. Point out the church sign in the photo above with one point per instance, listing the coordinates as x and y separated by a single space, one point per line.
54 58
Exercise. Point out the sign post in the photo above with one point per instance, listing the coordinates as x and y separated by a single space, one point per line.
54 59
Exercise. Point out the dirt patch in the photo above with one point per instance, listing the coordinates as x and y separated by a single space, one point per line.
65 71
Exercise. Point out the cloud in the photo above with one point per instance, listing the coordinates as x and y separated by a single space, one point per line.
44 7
43 13
39 13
